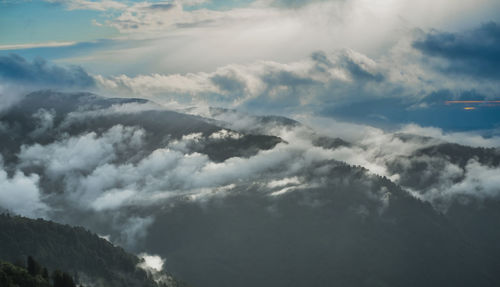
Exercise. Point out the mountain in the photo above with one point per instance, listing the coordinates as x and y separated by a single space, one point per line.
460 154
248 123
44 116
361 230
229 199
426 167
92 260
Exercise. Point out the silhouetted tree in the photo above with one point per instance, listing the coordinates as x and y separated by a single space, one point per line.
4 280
62 279
33 267
45 273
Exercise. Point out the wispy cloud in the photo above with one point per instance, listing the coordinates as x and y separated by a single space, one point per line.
36 45
102 5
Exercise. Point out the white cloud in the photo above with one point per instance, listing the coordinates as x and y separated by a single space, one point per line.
80 154
92 180
225 134
155 266
296 84
283 182
20 194
186 143
316 85
479 182
112 199
105 237
154 262
172 34
36 45
118 109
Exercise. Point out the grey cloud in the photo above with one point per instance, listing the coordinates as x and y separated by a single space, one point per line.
161 6
475 53
45 122
195 24
313 84
135 229
286 78
18 70
358 70
229 83
398 88
9 96
323 63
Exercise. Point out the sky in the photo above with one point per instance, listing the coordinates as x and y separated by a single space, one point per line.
384 63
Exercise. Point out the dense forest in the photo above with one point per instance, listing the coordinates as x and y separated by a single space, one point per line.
34 275
84 256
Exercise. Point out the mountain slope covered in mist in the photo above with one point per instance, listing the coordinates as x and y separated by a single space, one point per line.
361 230
231 199
46 116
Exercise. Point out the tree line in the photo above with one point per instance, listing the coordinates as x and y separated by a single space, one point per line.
33 275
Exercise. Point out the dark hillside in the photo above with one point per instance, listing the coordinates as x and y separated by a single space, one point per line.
72 249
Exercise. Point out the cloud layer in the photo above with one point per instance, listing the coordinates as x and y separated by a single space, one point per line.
403 87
